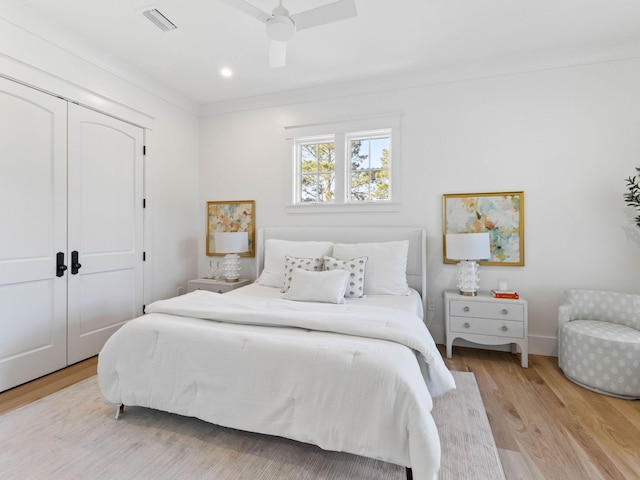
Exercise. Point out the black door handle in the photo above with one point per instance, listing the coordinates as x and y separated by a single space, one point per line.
60 266
75 266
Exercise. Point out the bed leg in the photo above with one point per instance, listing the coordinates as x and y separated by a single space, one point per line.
119 410
409 473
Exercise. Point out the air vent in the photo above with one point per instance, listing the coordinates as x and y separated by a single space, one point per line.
159 20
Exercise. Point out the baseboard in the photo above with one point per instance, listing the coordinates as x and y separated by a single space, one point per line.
547 346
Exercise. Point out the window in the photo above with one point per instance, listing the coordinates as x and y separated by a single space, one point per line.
317 170
350 165
369 166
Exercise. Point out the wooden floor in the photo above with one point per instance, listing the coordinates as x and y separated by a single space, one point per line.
545 426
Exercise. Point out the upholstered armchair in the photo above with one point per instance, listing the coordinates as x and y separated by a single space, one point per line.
599 341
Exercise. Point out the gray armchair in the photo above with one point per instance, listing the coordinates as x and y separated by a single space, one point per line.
599 341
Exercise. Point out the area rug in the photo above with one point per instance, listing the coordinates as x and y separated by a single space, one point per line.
72 434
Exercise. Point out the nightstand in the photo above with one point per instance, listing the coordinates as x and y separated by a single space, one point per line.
220 286
486 320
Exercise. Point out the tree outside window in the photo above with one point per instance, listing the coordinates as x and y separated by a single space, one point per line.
370 168
317 172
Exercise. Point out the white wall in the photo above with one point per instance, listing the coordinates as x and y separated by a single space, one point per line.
173 201
33 52
567 137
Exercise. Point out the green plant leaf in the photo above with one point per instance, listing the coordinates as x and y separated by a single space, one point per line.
632 197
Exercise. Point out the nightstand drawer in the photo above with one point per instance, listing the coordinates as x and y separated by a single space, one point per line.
495 310
485 326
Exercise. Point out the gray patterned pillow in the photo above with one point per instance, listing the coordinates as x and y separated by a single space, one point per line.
355 267
291 263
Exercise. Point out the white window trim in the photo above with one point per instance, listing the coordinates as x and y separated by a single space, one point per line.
339 129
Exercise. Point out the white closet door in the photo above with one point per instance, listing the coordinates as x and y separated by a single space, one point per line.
33 224
105 228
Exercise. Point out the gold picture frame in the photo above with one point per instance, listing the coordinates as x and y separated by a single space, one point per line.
501 214
234 216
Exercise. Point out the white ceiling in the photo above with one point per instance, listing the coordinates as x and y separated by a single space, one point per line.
390 39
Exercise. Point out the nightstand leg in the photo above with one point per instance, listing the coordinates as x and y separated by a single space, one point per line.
525 356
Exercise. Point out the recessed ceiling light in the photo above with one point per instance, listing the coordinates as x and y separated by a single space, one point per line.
226 72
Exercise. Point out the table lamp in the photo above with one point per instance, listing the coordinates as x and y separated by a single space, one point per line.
231 243
467 248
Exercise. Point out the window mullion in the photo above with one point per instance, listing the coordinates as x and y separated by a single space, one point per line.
340 168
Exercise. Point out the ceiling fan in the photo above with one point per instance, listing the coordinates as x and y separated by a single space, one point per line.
281 26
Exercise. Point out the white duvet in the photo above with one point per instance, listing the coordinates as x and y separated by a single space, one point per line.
350 377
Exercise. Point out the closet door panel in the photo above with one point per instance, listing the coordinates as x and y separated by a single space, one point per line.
33 223
105 185
30 327
98 311
105 228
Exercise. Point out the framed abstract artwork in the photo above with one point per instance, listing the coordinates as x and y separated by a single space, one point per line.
500 214
237 216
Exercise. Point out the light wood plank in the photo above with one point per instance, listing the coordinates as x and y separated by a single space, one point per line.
516 467
614 419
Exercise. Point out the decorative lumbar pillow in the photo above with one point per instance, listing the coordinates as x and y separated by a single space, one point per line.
355 267
293 263
274 252
386 267
326 286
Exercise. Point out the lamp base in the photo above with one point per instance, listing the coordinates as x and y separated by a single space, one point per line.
231 267
467 278
468 294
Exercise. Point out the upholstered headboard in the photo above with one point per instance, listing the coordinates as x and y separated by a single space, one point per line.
416 259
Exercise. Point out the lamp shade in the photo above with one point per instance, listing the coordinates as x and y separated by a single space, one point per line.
468 246
231 242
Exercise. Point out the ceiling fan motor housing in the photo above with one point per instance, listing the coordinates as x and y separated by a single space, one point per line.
280 28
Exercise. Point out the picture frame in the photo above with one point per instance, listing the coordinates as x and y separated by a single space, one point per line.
501 214
231 216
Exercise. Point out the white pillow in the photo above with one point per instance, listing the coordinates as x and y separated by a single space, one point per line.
386 267
327 287
274 252
292 263
355 267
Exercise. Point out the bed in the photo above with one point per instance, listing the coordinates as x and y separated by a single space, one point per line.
334 353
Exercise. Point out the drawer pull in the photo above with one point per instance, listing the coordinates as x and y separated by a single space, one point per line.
466 309
504 311
466 325
504 328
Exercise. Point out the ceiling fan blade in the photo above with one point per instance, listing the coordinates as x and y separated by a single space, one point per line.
277 54
340 10
249 9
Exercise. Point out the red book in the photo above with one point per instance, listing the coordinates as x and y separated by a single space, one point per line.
499 294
